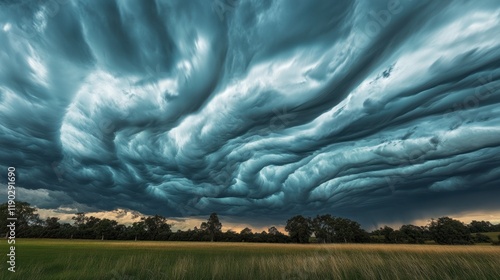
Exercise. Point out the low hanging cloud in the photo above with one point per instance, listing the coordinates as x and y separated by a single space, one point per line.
381 111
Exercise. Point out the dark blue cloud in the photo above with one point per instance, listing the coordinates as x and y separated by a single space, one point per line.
253 108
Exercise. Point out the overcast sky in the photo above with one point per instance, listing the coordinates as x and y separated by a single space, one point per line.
380 111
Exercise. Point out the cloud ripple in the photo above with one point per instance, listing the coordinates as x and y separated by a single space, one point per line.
379 110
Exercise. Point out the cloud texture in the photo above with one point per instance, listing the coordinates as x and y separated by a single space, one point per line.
375 110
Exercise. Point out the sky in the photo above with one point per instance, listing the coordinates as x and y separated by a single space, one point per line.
380 111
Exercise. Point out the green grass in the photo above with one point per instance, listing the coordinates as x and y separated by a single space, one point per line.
492 235
83 259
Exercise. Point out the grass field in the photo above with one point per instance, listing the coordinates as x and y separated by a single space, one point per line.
492 235
77 259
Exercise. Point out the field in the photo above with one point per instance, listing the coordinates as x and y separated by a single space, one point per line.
492 235
83 259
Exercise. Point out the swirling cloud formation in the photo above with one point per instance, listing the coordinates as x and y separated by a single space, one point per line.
375 110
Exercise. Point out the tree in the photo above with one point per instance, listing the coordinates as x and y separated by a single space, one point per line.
87 230
412 234
273 231
27 219
79 219
388 234
91 221
138 230
324 228
231 236
246 234
52 223
275 236
299 228
122 232
52 227
213 226
349 231
480 226
84 225
446 230
156 227
246 231
105 229
67 231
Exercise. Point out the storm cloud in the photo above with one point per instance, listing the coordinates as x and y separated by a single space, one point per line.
374 110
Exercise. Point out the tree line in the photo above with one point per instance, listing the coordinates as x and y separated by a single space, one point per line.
445 230
320 229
